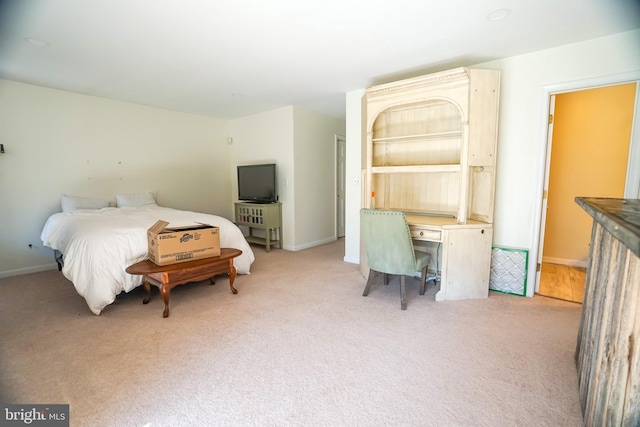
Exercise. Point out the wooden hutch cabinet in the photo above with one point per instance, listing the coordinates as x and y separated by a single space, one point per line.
431 152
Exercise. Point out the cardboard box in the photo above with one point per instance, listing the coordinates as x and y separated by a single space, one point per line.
181 244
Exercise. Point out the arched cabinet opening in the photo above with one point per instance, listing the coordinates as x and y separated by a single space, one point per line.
416 152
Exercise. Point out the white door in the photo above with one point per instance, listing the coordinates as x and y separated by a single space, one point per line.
545 191
341 143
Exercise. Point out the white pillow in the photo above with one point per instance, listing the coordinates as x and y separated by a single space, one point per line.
72 203
135 200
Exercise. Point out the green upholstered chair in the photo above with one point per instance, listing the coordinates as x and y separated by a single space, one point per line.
389 248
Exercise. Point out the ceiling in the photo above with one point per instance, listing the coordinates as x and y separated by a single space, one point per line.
231 58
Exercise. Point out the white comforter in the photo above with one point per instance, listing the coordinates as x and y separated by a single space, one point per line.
99 244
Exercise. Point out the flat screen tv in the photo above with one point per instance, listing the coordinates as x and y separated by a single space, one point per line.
257 183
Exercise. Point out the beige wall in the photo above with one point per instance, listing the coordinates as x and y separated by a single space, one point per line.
301 143
590 148
356 130
521 139
267 138
61 142
315 177
522 125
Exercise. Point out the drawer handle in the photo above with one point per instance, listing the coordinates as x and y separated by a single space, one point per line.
421 233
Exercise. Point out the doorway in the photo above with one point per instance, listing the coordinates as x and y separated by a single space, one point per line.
588 150
341 167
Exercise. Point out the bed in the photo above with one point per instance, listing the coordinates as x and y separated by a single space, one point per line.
98 244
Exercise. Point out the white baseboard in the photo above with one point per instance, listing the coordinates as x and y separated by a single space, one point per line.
312 244
351 260
28 270
562 261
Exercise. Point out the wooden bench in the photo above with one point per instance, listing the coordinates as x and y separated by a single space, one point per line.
167 277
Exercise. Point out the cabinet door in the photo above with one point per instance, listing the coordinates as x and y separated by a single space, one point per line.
466 263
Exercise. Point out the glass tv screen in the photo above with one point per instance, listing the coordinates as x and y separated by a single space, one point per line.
257 183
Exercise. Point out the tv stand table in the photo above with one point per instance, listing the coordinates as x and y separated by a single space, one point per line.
261 216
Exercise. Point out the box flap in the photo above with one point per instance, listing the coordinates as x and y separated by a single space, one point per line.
158 227
195 226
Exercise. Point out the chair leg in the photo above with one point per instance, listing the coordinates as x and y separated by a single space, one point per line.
386 278
403 299
423 280
369 282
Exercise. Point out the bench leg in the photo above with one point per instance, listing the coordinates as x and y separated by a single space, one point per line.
164 291
147 287
232 277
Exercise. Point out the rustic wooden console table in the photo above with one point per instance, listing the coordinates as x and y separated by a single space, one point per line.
608 349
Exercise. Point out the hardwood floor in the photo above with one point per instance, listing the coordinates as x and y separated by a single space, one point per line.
562 282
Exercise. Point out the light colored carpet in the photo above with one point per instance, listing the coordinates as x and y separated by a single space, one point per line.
298 345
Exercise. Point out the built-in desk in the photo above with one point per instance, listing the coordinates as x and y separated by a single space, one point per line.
464 254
